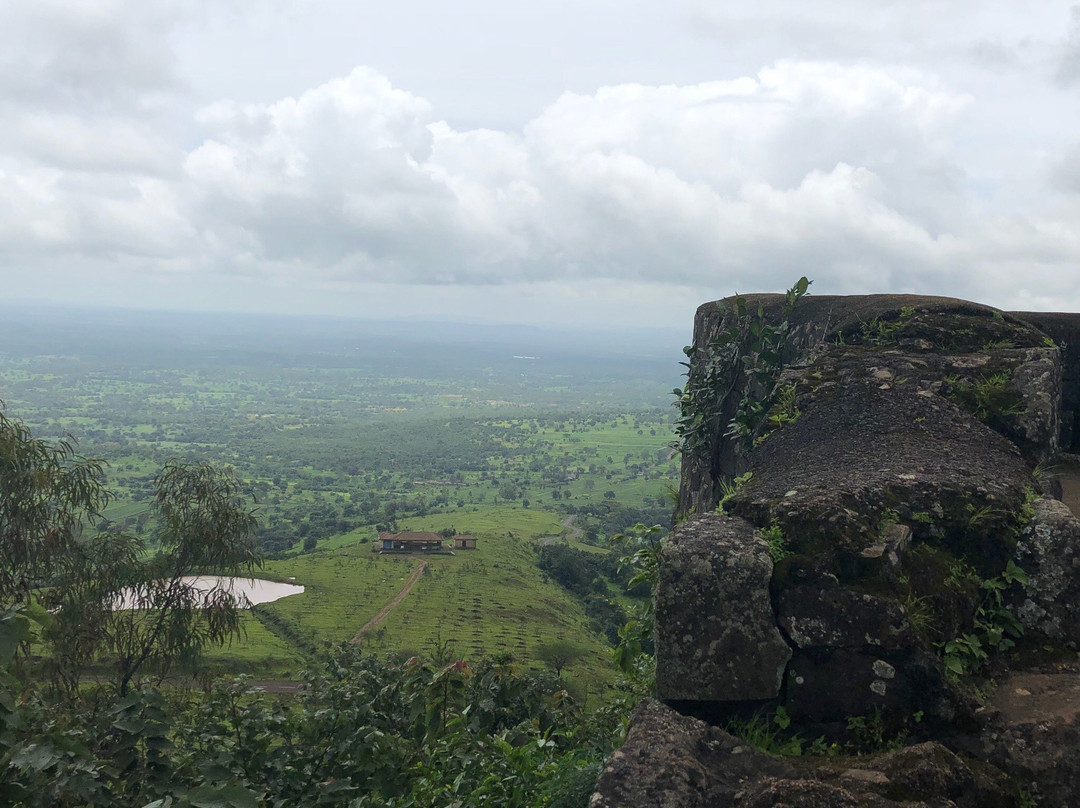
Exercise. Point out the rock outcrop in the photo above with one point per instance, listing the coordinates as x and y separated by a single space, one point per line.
675 761
715 628
1049 552
859 532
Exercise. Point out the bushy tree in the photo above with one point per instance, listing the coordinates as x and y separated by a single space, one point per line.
48 493
108 598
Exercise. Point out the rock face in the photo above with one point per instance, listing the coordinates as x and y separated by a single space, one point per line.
674 761
1049 551
1033 733
715 628
858 450
1063 329
942 338
897 480
889 461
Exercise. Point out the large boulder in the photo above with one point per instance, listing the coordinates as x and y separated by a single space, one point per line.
716 634
831 617
1064 330
900 683
867 446
891 469
674 761
996 358
1034 734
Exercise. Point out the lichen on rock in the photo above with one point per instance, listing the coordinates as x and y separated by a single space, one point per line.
899 475
716 634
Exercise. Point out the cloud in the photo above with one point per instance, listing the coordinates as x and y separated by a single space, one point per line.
857 174
357 180
1068 71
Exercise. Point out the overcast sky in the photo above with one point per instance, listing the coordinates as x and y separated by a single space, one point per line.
551 162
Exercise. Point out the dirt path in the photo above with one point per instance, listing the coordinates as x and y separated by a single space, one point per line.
568 523
1027 697
384 612
575 532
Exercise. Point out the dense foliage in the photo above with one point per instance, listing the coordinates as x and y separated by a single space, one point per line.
744 359
359 732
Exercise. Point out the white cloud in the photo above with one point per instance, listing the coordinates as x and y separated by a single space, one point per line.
356 179
1068 71
867 174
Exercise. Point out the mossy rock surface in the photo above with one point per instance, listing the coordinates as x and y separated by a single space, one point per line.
866 448
921 342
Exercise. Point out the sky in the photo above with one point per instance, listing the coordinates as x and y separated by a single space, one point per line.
593 162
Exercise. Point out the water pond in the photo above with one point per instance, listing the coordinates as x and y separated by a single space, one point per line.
254 590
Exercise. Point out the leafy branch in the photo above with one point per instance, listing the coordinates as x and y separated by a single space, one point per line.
744 359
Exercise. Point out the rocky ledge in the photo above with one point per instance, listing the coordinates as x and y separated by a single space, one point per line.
868 544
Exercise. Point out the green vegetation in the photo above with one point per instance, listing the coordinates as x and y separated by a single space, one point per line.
336 443
866 734
361 733
99 597
988 398
994 630
880 330
729 489
407 733
490 683
478 603
745 359
774 536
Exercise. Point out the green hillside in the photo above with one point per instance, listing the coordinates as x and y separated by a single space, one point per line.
475 603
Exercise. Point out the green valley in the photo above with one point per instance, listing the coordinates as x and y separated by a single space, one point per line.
341 429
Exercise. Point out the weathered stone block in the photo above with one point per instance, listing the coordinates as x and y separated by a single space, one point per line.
827 687
813 617
716 635
675 761
1049 552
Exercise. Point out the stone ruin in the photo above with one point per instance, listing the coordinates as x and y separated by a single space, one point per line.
824 560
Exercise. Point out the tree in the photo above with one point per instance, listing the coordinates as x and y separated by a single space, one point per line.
559 654
107 596
47 494
167 615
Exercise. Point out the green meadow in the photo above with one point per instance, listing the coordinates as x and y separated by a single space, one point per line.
471 604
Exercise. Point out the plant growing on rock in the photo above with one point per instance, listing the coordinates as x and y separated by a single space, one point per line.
774 536
995 628
729 489
745 358
988 397
642 545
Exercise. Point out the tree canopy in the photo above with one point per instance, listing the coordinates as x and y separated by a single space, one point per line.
106 597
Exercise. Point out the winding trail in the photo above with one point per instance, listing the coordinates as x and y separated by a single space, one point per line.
384 612
568 524
575 532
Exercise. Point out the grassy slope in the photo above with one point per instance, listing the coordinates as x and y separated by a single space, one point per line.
480 602
259 651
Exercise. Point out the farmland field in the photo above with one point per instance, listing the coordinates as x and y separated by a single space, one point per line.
339 430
